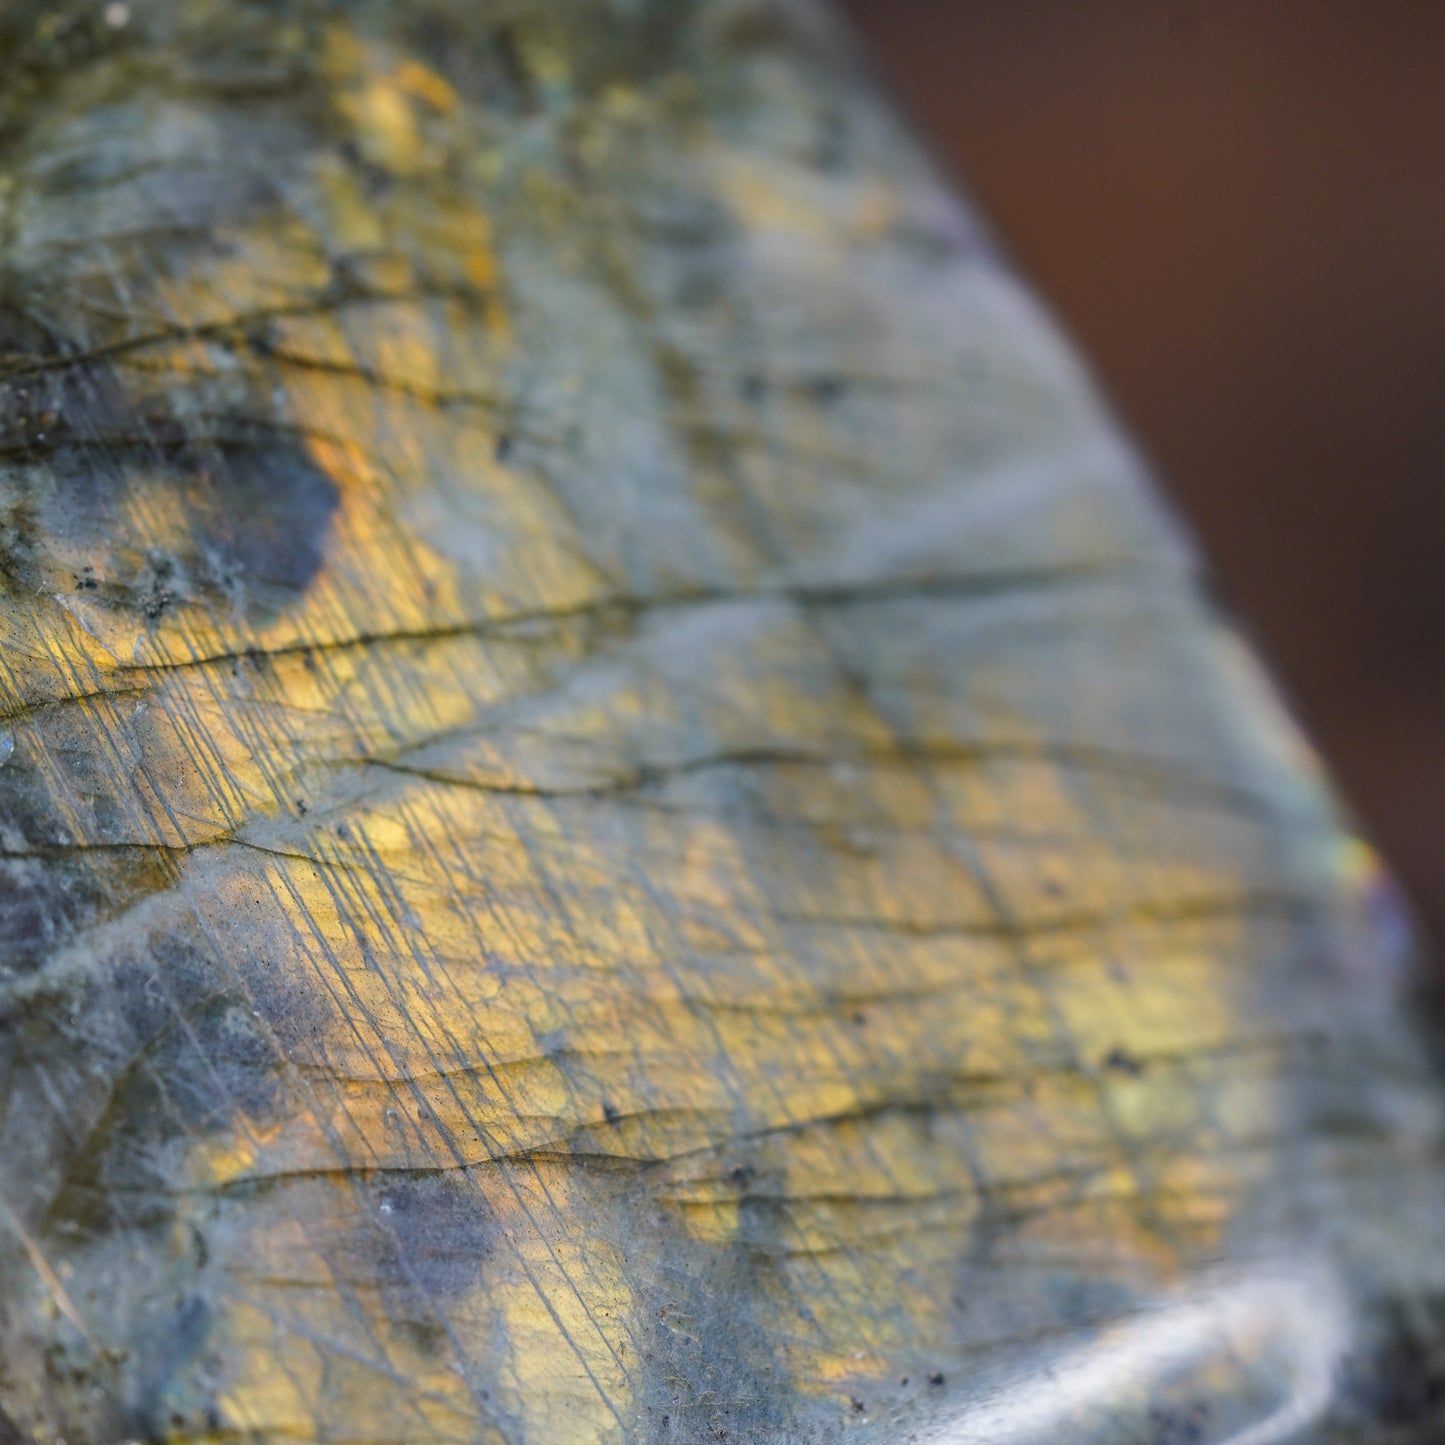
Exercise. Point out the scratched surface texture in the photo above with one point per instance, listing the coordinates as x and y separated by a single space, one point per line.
620 820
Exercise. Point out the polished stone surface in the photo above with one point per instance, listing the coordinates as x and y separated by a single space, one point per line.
620 818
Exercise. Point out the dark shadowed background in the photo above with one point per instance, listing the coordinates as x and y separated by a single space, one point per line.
1239 209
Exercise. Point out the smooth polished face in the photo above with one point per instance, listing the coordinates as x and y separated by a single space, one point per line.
619 819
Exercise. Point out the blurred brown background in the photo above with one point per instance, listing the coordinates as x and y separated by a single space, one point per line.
1238 206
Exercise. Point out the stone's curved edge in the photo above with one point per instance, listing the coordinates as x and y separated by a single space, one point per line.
1277 1333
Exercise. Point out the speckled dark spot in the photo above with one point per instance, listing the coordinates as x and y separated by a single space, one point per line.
1121 1061
85 459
